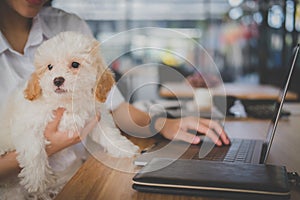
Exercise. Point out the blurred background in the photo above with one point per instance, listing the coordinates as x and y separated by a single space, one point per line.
250 41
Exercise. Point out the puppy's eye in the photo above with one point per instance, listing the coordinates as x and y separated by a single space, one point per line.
75 64
50 66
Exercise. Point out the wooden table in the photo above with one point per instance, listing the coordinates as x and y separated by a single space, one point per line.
95 181
241 91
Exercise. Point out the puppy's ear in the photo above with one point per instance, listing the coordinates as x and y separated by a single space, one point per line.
33 89
104 84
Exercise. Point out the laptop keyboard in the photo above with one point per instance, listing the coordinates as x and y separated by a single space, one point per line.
240 150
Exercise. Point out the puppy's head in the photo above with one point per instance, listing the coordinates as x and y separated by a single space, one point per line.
67 64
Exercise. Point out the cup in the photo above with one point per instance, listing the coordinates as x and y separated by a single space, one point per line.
203 99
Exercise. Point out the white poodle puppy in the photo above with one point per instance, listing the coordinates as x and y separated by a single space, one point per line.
69 73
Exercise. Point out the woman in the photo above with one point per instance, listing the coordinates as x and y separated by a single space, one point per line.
24 25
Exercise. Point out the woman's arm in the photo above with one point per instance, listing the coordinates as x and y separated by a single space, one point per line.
136 122
8 164
132 120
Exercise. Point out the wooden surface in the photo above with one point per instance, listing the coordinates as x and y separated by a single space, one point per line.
96 181
242 91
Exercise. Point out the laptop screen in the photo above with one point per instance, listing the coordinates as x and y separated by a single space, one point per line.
279 104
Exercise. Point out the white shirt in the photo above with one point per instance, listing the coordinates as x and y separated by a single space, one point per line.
16 67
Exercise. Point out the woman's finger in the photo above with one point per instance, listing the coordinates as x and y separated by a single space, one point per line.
90 126
58 115
53 125
217 129
209 127
211 134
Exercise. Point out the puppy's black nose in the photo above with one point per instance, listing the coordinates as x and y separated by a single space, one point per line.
58 81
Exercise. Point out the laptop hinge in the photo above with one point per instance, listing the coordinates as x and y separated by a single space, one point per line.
263 152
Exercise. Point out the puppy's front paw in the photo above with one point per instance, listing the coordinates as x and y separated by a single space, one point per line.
36 181
36 174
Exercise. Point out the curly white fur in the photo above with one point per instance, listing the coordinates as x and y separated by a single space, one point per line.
29 109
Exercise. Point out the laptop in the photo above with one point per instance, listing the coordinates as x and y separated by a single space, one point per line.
240 150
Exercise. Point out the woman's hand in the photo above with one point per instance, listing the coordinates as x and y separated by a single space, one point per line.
178 129
60 140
